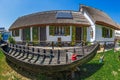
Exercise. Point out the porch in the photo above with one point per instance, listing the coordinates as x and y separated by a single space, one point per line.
54 33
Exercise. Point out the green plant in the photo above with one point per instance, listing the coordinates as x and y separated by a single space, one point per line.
119 42
0 37
11 40
73 36
88 43
35 43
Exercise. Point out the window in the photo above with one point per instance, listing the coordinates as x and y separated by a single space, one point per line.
106 32
91 32
15 33
59 31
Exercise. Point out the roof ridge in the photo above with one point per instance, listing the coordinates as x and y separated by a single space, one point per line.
50 11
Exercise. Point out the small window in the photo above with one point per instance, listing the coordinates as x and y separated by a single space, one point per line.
91 32
106 32
59 31
15 33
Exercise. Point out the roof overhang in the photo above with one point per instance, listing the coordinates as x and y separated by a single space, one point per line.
107 25
51 24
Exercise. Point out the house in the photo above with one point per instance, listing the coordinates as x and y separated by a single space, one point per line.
88 24
117 34
102 26
5 35
2 29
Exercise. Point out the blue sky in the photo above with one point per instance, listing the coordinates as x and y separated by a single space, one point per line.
10 10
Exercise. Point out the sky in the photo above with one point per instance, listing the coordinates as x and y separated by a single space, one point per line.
10 10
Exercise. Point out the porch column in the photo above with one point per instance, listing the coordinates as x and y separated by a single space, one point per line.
20 34
70 33
47 33
31 37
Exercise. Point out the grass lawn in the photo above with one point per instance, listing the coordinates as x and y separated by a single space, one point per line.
108 70
6 72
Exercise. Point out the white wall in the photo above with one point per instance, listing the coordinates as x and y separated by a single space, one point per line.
91 27
55 38
97 30
117 33
18 38
99 37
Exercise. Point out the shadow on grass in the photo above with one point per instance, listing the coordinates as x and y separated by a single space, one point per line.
86 71
25 73
89 69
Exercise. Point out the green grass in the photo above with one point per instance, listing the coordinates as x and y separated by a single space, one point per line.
6 72
108 70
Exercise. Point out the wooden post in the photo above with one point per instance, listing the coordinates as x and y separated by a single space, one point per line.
38 50
104 46
32 49
66 56
58 60
73 74
115 43
52 45
82 50
51 54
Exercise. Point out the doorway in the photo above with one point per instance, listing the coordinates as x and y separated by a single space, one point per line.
42 33
78 34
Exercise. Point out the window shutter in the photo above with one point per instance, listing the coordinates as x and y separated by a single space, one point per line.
67 31
35 33
51 30
111 33
73 35
27 30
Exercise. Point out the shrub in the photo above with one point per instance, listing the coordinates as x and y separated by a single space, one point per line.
119 42
11 40
88 43
0 37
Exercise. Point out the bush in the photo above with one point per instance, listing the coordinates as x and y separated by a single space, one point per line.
11 40
119 42
0 37
88 43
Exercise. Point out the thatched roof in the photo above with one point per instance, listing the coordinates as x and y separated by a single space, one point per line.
99 17
49 18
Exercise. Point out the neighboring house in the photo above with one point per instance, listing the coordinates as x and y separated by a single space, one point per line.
117 34
102 26
2 29
5 35
88 24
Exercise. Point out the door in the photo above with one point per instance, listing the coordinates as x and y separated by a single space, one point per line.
78 34
42 33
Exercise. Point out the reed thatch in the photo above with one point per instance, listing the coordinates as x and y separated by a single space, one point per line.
49 18
99 17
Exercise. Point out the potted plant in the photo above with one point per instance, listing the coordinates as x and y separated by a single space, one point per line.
11 40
